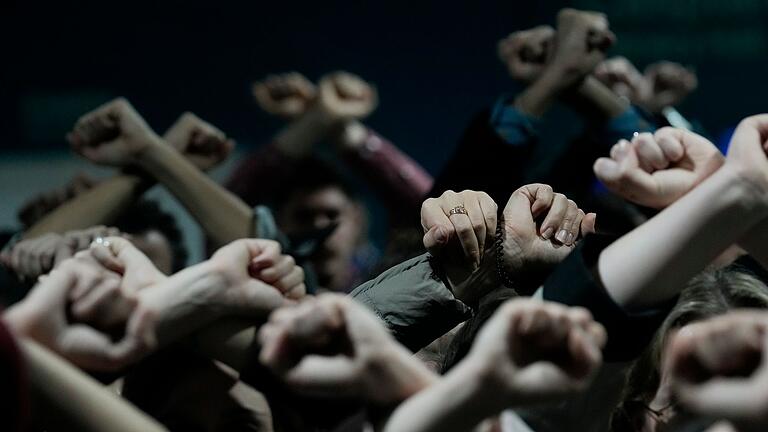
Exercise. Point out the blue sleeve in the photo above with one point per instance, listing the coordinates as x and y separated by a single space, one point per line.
513 126
623 127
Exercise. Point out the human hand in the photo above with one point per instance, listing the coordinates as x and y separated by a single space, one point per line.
655 170
747 158
532 351
112 134
669 84
286 95
580 44
200 142
525 52
621 76
467 218
42 316
719 368
531 248
257 275
37 256
343 96
332 346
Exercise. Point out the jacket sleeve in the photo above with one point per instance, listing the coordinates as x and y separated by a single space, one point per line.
415 304
575 283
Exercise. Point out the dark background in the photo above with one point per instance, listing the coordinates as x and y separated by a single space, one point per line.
434 63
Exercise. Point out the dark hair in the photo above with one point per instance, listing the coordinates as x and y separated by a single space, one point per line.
711 293
146 215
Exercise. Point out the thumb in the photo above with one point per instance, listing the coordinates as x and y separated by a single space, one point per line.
437 237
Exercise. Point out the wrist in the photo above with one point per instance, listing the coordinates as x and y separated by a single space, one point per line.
743 190
397 368
351 136
152 150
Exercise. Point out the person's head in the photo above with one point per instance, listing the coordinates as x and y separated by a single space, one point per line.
155 233
319 198
646 398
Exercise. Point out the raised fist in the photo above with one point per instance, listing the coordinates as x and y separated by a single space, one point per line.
621 76
540 229
655 170
532 351
200 142
332 346
526 52
719 368
286 95
112 134
343 96
580 44
669 84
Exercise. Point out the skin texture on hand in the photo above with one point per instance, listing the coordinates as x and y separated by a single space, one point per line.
621 76
200 142
719 368
37 256
42 316
540 229
286 95
669 84
473 230
331 346
528 352
112 134
580 44
343 96
657 169
525 52
534 351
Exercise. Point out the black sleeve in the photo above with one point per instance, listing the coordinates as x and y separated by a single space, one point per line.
574 283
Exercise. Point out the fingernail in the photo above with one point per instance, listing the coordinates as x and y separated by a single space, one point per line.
562 236
570 238
548 233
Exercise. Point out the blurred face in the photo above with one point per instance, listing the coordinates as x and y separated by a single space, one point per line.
157 248
318 209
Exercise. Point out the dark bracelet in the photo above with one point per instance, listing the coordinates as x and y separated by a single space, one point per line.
498 247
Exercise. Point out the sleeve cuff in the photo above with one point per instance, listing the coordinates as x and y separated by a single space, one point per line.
514 127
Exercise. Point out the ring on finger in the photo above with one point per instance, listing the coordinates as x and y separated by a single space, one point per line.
457 210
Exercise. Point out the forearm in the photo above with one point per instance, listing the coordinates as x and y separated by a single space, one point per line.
229 341
298 138
101 205
539 97
222 215
653 262
185 302
594 100
457 402
66 399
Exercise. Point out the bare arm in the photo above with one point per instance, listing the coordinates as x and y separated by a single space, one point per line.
101 205
66 398
652 263
201 143
222 215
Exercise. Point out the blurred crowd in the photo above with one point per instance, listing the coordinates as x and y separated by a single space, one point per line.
620 286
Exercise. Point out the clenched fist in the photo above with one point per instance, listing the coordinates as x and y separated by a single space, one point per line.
286 95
